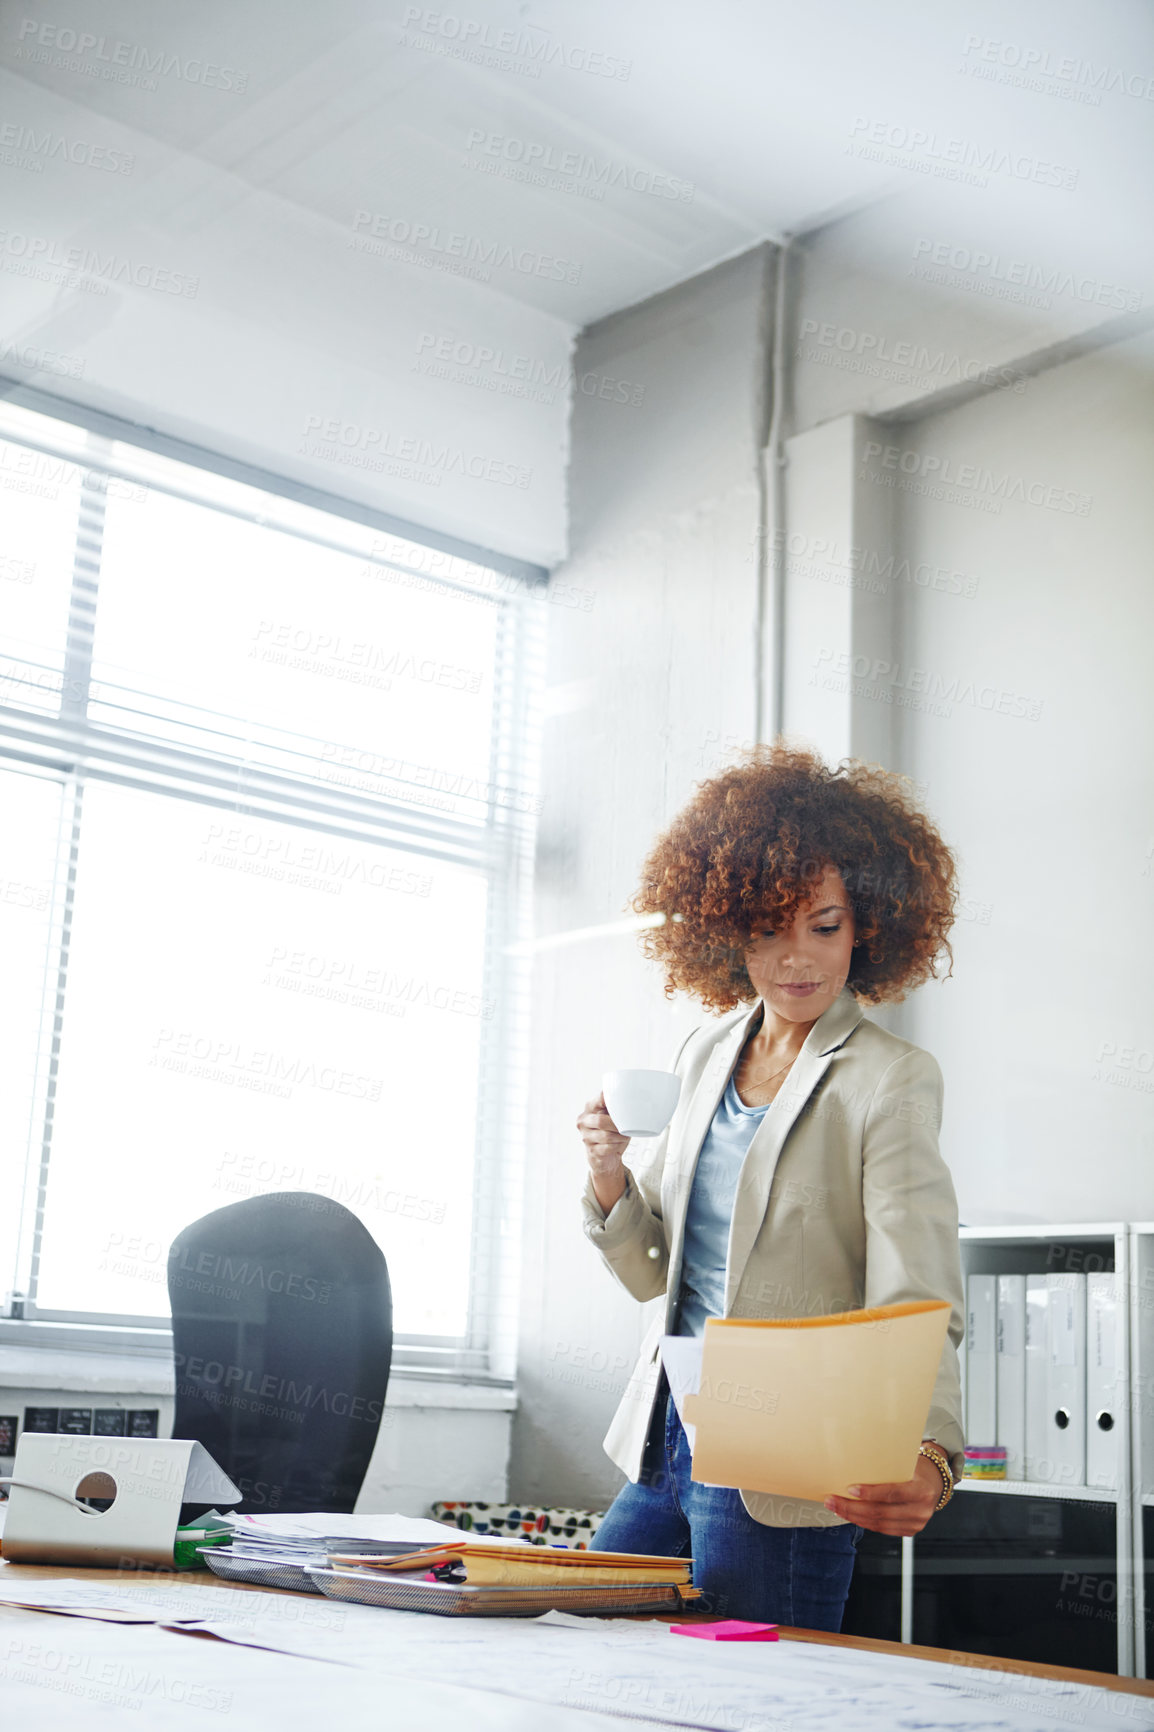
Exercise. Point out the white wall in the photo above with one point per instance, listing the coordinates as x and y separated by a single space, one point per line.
1046 1031
647 691
1001 530
438 1445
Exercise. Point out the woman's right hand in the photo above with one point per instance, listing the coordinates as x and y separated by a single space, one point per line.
604 1149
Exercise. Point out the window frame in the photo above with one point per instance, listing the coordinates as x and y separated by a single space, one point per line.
70 749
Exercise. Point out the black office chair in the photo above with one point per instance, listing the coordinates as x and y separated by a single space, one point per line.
282 1335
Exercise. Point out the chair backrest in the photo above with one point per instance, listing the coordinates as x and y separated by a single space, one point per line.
282 1335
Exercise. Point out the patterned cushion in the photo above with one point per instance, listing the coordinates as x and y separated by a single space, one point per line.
543 1527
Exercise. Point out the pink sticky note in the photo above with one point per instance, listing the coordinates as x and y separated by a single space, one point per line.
728 1630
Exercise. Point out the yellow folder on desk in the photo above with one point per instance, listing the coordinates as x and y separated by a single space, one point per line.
808 1406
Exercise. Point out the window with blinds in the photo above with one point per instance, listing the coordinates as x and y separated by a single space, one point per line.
267 805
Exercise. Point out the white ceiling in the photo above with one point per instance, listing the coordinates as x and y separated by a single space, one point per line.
256 130
753 111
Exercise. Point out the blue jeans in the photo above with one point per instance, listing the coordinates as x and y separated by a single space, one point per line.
793 1576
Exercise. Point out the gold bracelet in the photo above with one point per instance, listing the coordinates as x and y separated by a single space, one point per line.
941 1462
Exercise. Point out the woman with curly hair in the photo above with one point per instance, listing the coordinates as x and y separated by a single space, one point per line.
800 1175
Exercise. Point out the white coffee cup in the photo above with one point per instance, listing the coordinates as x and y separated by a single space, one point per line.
641 1102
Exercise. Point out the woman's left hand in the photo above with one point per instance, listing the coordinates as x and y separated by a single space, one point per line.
903 1507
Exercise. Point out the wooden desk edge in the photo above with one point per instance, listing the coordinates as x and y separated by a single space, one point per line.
869 1644
983 1662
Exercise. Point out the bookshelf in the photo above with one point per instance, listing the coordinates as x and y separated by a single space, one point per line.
1030 1488
1026 1570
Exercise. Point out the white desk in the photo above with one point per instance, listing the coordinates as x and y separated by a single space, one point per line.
71 1672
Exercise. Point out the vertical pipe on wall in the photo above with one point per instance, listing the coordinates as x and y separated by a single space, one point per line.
770 628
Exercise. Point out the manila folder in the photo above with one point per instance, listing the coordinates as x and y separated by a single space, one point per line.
808 1406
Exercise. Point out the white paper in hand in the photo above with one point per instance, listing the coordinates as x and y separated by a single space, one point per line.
681 1356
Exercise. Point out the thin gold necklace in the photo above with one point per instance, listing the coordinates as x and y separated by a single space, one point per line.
770 1077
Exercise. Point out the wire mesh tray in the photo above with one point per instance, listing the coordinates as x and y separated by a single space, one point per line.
292 1576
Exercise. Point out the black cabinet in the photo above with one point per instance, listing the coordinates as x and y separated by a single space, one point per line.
874 1606
1024 1577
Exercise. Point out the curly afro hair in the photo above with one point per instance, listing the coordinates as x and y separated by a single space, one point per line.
752 845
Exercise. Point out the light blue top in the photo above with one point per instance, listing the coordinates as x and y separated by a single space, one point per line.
711 1210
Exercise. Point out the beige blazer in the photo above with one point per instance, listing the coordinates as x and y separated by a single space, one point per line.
843 1201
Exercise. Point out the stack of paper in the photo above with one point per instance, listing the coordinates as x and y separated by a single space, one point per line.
319 1525
503 1565
276 1551
389 1561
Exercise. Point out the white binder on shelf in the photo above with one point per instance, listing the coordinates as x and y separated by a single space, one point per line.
1037 1462
981 1360
1105 1410
1056 1379
1068 1377
1011 1372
